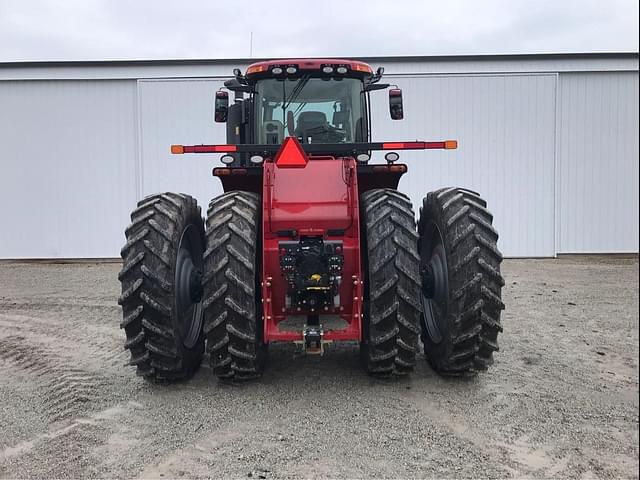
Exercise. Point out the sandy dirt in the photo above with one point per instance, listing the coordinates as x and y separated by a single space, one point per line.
560 401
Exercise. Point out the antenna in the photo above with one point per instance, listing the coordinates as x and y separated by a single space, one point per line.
251 45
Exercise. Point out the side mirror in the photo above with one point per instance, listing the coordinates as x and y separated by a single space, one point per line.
395 104
221 106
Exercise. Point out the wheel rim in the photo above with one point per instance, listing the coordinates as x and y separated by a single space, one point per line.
188 285
435 283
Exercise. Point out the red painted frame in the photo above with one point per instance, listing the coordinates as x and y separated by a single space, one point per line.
318 199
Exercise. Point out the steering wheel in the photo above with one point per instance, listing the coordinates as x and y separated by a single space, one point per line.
327 134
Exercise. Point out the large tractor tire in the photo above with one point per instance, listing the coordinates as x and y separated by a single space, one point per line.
161 287
391 322
461 292
232 308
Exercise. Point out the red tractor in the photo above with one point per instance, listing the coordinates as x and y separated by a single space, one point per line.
309 243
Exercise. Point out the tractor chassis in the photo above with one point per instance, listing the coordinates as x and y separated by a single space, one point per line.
332 217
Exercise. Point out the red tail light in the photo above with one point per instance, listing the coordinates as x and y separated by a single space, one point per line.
402 145
210 148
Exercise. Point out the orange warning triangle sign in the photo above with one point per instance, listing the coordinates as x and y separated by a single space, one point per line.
291 154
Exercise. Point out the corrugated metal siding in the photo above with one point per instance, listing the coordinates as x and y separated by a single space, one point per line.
67 176
598 163
179 112
505 125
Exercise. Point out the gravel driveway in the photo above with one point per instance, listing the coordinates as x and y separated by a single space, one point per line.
561 400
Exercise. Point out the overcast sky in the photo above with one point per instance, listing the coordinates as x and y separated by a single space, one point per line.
158 29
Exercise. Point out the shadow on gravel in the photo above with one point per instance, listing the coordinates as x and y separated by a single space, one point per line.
339 367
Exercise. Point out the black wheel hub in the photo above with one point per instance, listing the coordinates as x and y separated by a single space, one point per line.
428 282
434 276
188 285
195 285
435 284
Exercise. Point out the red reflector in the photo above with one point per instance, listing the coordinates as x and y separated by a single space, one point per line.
221 172
210 148
238 171
222 148
380 168
291 154
403 146
392 146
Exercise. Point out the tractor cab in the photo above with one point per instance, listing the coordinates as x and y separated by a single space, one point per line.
314 110
316 101
323 104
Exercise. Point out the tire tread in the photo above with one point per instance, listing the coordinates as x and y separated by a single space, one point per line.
391 322
147 279
475 281
230 290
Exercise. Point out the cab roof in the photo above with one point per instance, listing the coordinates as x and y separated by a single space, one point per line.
354 66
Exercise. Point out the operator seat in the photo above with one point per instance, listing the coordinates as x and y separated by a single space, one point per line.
307 121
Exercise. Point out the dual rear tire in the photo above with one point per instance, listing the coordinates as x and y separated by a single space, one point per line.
443 283
169 306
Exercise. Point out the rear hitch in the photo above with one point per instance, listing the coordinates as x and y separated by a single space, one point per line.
312 336
312 342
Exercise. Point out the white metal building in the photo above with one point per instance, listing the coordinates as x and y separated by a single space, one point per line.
551 141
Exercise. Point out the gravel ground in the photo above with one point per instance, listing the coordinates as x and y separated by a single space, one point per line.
561 400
